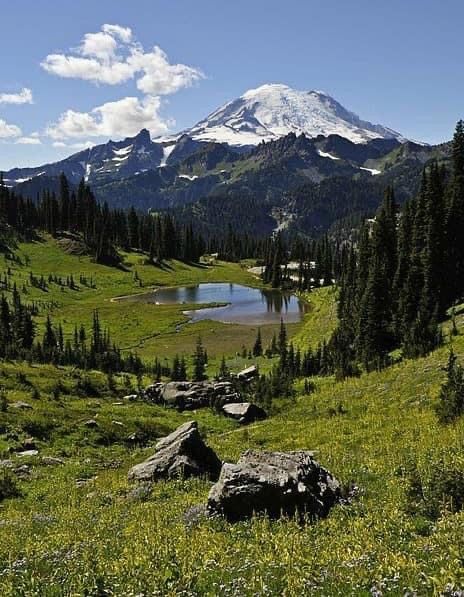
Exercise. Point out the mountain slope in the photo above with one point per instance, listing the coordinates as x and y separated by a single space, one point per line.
273 111
115 159
263 114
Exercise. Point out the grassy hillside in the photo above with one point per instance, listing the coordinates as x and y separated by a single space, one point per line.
77 528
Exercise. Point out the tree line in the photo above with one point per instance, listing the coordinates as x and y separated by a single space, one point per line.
405 271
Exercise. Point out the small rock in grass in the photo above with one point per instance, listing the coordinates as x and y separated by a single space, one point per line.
51 461
92 423
27 453
21 405
84 482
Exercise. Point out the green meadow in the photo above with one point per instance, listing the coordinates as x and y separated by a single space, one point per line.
77 527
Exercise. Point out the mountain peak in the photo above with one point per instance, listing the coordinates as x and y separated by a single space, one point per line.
144 136
273 110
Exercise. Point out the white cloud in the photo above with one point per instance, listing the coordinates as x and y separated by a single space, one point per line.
79 145
124 33
29 141
8 131
121 118
111 56
157 76
23 97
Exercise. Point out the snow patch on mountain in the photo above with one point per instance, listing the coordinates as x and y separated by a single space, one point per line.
324 154
188 177
373 171
167 150
123 151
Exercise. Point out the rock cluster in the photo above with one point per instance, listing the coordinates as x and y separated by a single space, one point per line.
273 483
188 395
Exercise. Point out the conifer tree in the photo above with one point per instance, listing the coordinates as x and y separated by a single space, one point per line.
258 345
199 361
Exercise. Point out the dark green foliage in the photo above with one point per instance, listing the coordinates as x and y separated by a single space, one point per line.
78 216
179 369
451 399
437 489
396 287
224 371
200 359
258 345
8 485
3 401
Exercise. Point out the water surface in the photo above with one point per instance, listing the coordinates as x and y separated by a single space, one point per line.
238 304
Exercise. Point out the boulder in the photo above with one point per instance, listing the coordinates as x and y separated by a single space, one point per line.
275 483
183 453
244 412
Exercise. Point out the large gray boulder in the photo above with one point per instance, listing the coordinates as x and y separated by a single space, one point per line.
183 453
244 412
275 483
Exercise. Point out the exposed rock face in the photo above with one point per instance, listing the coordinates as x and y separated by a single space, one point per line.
276 483
183 453
187 395
244 412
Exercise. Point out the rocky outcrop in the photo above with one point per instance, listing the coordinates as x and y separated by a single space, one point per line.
275 483
183 453
244 412
187 395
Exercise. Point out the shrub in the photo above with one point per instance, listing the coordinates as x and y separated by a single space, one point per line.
39 426
85 386
436 488
8 486
3 401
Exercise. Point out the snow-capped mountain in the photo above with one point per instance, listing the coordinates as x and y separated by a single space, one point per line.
267 113
273 111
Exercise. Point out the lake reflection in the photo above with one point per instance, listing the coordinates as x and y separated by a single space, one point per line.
242 304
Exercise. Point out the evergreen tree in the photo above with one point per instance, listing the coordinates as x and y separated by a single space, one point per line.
258 345
451 399
199 362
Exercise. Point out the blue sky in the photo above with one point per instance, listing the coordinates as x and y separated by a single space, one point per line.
397 62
